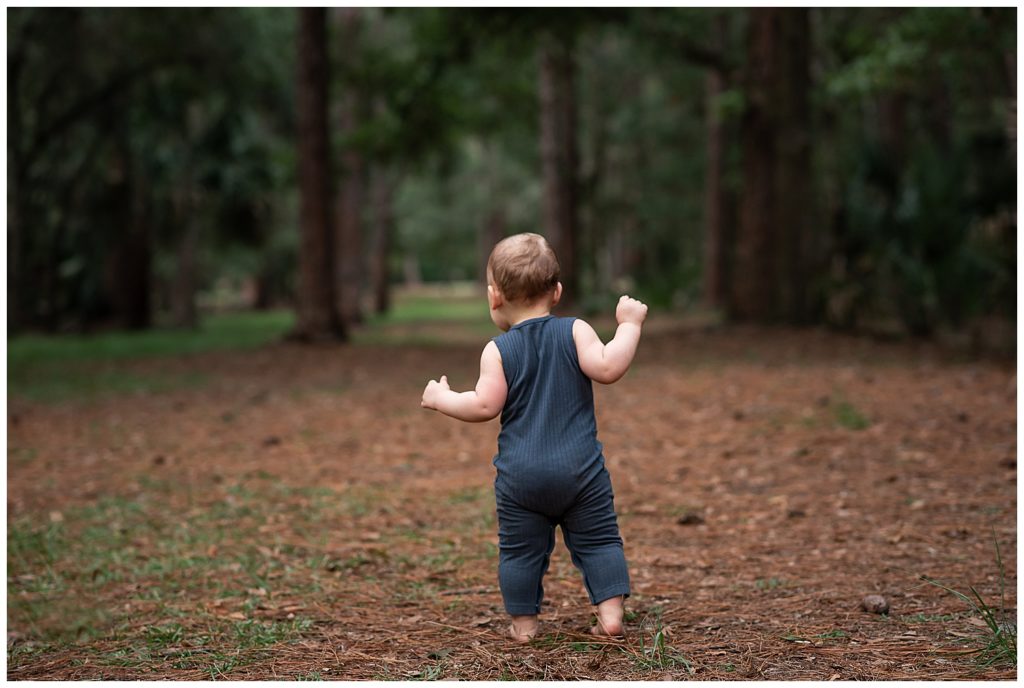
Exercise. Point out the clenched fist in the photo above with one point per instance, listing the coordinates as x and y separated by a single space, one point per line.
432 391
630 310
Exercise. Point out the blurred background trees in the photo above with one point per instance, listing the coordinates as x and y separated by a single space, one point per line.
854 167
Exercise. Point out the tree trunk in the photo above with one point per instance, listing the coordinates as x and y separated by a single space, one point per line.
714 234
14 204
183 291
770 273
892 127
348 250
755 275
128 281
559 157
15 318
316 315
382 190
793 179
264 297
492 229
1010 58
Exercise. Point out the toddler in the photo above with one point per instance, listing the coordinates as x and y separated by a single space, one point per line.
550 469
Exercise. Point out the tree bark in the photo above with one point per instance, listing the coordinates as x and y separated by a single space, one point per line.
892 127
14 196
382 188
183 291
317 316
128 283
770 262
263 299
714 232
559 157
15 318
348 247
492 229
755 275
1010 58
793 178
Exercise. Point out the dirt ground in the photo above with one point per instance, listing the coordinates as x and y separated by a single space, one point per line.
299 516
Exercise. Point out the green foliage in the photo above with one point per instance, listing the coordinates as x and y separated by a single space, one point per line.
184 127
926 235
178 122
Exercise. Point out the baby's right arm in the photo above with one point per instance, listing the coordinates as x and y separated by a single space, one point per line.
606 363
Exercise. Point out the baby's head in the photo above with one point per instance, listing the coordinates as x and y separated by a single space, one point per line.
522 272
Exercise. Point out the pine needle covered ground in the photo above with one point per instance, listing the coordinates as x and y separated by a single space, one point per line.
282 511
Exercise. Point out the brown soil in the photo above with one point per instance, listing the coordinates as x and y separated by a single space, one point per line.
756 516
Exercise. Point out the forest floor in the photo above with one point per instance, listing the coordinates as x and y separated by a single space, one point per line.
289 512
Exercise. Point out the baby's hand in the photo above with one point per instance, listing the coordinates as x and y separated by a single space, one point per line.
630 310
433 390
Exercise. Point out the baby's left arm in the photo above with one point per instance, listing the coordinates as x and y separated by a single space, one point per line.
483 403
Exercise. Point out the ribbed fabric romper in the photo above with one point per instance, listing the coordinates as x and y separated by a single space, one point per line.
550 469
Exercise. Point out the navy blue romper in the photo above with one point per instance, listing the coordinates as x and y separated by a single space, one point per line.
550 470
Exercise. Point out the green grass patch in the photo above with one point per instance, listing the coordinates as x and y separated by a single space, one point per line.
252 633
224 331
63 381
164 636
928 618
56 368
849 416
165 553
413 309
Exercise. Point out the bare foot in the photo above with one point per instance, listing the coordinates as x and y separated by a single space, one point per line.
523 629
609 618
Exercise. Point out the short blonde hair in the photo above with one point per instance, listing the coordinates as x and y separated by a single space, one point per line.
523 267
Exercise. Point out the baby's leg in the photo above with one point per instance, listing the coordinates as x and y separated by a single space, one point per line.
609 617
523 628
525 541
591 533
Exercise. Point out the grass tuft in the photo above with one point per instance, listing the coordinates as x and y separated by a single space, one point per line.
850 417
657 653
769 583
999 639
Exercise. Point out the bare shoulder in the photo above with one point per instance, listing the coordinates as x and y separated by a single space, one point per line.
582 333
491 352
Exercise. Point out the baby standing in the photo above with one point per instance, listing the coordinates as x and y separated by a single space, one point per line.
550 466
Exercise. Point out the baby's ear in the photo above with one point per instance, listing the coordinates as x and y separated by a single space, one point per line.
494 299
558 294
